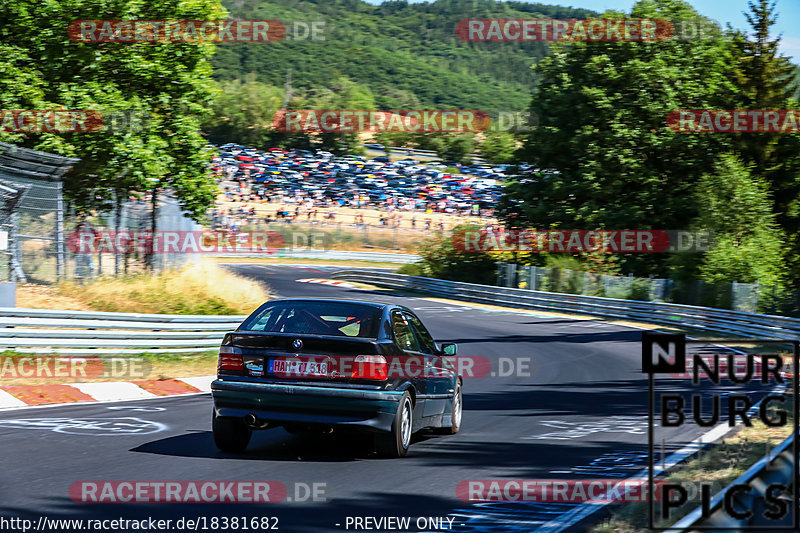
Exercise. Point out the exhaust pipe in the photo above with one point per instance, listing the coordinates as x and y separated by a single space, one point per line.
252 421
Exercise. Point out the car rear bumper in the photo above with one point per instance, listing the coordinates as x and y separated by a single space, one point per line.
330 406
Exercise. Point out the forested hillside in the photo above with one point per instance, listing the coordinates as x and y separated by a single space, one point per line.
407 55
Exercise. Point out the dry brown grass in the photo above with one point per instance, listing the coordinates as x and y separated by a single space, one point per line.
34 296
201 288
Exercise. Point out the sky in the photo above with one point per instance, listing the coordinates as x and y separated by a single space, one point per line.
723 11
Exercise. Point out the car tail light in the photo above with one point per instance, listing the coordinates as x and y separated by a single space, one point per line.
230 358
370 367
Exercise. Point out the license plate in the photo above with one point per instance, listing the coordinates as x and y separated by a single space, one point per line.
294 367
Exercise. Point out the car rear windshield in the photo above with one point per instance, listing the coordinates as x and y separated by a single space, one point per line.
316 318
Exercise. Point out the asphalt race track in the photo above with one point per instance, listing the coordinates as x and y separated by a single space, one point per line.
579 409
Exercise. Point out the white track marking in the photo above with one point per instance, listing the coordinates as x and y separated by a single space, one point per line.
7 400
120 390
202 383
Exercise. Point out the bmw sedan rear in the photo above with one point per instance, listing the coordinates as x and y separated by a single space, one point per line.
334 364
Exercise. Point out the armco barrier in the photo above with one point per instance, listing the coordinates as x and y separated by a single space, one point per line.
96 333
685 316
331 255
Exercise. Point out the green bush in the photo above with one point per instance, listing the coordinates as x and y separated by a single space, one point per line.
640 289
413 269
444 261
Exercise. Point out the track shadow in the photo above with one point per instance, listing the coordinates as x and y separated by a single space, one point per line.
273 445
281 516
634 336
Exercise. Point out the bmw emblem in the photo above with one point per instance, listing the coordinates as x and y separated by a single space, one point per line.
297 344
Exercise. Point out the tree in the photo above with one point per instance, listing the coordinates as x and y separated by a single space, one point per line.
455 147
169 82
341 94
440 259
605 158
243 112
736 208
498 147
767 81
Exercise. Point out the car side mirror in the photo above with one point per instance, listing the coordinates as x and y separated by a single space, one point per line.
449 348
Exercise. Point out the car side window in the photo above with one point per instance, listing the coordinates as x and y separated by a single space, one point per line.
403 336
426 344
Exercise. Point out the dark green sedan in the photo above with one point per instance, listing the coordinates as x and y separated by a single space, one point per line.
311 364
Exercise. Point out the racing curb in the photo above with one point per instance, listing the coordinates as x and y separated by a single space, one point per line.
15 396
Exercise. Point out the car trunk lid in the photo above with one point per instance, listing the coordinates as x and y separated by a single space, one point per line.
289 356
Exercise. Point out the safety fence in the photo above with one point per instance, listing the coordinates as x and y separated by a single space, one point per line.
96 333
750 297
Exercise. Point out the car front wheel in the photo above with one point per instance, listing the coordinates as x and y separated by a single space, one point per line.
230 434
457 404
395 443
458 407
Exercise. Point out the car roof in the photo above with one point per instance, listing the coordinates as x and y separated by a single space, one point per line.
335 300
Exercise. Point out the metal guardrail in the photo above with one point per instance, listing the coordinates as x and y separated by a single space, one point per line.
98 333
331 255
685 316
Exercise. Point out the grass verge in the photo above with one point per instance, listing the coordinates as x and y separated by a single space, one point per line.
197 289
718 465
144 366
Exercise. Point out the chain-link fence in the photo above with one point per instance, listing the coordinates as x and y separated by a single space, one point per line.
111 250
10 197
37 223
749 297
36 247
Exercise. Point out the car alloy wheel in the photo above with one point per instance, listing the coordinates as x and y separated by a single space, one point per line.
405 425
395 443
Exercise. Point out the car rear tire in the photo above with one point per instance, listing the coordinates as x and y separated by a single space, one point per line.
396 443
230 434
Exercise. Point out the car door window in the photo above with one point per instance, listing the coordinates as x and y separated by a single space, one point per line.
426 344
403 336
